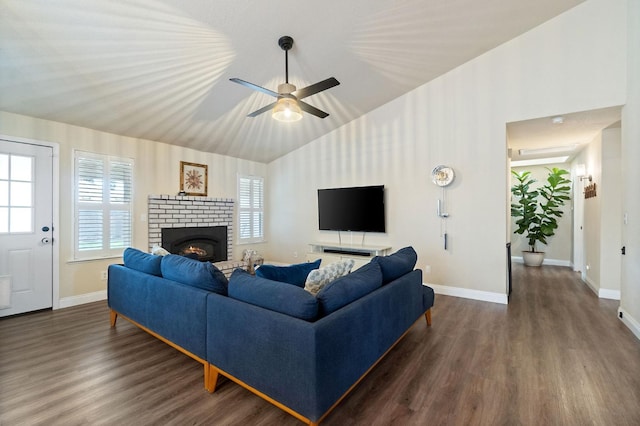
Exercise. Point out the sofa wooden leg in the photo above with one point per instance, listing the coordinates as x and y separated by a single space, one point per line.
113 317
427 315
207 371
210 377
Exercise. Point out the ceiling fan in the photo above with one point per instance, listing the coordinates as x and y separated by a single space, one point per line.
289 106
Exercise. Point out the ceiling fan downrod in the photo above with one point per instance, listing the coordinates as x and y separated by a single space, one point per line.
286 43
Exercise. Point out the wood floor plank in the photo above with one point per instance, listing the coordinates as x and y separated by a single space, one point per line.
555 355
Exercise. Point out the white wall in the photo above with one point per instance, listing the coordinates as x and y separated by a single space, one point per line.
157 171
630 288
558 249
574 62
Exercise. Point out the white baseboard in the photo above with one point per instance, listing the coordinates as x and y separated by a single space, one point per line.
630 322
602 293
592 285
67 302
606 293
550 262
485 296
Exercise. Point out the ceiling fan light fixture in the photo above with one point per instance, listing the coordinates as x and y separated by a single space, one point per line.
286 110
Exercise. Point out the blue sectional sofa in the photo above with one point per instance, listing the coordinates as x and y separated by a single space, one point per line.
301 352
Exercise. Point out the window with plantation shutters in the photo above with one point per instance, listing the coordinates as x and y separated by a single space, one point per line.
103 205
250 209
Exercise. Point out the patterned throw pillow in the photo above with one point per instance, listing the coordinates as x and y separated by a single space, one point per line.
318 278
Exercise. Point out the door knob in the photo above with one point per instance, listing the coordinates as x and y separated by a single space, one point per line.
46 240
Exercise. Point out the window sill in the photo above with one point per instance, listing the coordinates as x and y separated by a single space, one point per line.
246 243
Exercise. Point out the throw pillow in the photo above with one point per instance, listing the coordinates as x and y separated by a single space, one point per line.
293 274
273 295
319 278
141 261
349 288
397 264
192 272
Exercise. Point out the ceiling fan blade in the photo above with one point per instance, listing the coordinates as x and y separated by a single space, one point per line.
254 87
311 109
315 88
261 110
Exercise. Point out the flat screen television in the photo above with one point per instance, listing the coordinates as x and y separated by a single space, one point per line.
352 209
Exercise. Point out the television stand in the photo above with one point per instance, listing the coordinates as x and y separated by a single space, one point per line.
331 252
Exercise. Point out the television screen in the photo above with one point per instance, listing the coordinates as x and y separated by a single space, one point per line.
352 209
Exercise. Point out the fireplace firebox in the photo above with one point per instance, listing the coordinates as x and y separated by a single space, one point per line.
207 243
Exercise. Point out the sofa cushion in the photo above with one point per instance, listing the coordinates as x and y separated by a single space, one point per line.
273 295
397 264
293 274
351 287
192 272
141 261
317 279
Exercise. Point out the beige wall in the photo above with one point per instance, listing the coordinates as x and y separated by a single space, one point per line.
157 171
574 62
611 216
602 215
630 288
592 158
559 248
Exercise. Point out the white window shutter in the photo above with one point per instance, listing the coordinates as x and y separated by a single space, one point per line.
250 209
103 205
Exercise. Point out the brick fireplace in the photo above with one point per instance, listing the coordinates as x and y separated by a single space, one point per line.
190 212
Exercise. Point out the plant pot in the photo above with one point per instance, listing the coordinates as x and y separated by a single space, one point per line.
533 258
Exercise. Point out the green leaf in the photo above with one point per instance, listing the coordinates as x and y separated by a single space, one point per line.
537 208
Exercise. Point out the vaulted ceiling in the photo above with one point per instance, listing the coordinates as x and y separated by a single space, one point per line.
160 69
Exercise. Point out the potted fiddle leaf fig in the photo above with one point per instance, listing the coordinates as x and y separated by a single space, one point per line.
537 210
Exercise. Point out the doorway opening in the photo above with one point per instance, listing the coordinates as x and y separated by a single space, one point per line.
585 144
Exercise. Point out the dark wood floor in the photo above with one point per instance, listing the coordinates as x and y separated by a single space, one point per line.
556 355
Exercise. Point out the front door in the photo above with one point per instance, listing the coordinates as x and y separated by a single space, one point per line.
26 227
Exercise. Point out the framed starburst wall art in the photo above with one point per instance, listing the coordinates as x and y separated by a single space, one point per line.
193 178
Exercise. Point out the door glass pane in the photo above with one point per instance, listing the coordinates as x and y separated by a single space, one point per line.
20 220
21 168
4 166
4 193
4 219
21 194
16 193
